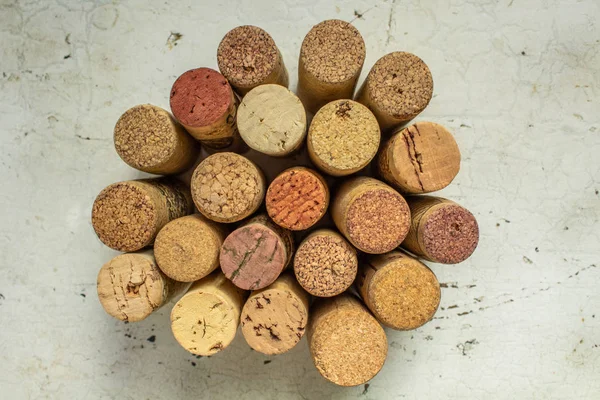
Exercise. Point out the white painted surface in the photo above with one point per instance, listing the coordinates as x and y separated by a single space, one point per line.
517 81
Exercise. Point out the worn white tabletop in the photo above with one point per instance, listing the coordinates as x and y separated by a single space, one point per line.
517 81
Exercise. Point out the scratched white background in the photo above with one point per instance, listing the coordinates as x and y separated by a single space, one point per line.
517 81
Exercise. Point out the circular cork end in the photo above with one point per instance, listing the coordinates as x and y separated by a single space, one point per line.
200 97
333 51
449 234
272 120
124 217
227 187
378 221
130 287
343 137
247 55
297 198
187 249
273 321
325 264
401 85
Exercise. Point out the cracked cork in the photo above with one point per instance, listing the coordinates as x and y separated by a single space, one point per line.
343 138
248 57
297 198
274 319
399 290
325 264
227 187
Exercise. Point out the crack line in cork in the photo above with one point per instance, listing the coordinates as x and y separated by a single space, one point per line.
247 257
415 163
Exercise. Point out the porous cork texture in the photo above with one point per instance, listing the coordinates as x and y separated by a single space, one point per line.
399 290
255 254
131 286
248 57
331 58
227 187
187 249
421 158
343 138
274 319
127 215
441 230
297 198
272 120
347 344
397 89
371 215
204 321
325 264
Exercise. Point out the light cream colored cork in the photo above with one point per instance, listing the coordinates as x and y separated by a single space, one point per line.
331 58
397 89
187 249
274 319
227 187
131 286
248 57
272 120
204 321
399 290
343 138
128 215
371 215
347 344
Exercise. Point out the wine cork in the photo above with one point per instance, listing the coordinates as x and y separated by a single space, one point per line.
149 139
297 198
204 103
272 120
331 58
131 286
371 215
441 230
227 187
399 290
187 249
128 215
325 264
204 321
256 253
397 89
422 158
347 345
343 138
274 319
248 57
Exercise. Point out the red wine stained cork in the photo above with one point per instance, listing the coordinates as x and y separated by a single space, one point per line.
297 198
422 158
399 290
131 286
325 264
347 344
343 138
331 58
204 103
187 249
397 89
272 120
256 253
371 215
204 321
128 215
147 138
248 57
441 231
227 187
274 318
